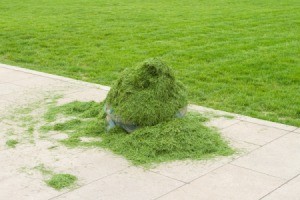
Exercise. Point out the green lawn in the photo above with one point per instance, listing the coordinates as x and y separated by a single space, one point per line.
237 56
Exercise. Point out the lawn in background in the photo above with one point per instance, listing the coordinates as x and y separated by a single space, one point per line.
237 56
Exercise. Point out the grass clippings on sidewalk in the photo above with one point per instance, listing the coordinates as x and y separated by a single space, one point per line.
11 143
176 139
57 181
60 181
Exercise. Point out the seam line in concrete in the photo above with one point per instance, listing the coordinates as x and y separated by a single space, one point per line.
184 183
108 176
170 191
230 162
279 187
260 146
257 171
226 163
168 176
70 191
295 131
231 125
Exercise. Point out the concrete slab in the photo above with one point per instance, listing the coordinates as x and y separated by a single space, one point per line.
92 94
265 150
132 183
252 133
10 186
60 78
297 130
290 191
280 158
5 135
267 123
38 82
222 122
26 188
188 171
227 182
4 105
8 76
88 165
4 70
7 88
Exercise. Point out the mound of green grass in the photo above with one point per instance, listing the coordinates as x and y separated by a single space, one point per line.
176 139
147 94
60 181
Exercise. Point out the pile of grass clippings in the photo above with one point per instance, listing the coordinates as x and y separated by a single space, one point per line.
147 94
176 139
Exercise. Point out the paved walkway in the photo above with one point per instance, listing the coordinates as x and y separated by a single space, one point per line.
266 167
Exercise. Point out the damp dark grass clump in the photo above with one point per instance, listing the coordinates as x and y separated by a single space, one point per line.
176 139
147 94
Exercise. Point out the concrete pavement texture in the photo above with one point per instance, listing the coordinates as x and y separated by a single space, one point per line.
267 165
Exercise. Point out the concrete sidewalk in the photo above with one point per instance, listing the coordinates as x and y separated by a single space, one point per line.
266 167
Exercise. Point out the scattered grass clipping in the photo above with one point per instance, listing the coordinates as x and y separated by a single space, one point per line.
57 181
60 181
176 139
147 94
11 143
44 171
